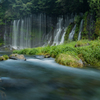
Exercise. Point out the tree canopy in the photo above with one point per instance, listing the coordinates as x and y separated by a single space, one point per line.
20 8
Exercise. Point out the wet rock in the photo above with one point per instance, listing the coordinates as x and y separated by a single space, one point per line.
2 58
80 62
47 56
17 57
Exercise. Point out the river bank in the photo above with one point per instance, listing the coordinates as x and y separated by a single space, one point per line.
70 53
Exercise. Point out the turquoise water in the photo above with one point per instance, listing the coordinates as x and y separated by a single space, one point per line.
40 78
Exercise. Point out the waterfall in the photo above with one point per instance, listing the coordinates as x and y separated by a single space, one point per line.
22 35
15 33
71 35
81 26
5 40
62 39
37 30
58 31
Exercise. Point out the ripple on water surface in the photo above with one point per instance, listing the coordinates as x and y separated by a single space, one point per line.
44 79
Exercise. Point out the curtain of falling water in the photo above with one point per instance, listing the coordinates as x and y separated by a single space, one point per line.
81 26
38 30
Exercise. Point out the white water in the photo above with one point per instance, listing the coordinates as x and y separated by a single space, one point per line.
37 30
80 31
22 35
5 34
58 31
71 35
62 39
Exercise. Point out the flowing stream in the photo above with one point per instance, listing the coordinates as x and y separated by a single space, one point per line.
40 78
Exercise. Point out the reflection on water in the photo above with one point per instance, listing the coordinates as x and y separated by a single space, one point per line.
41 78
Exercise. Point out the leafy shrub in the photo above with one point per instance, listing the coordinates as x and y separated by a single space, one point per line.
77 19
24 51
45 49
32 51
83 43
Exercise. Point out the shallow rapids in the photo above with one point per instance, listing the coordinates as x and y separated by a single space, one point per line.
40 78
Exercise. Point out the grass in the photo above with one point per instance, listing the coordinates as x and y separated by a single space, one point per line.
90 54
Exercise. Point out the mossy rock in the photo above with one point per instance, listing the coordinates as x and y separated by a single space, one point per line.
4 57
69 60
47 56
17 57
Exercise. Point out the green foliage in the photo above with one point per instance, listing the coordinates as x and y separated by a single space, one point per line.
97 28
76 32
32 52
85 32
77 19
27 51
11 9
83 43
94 5
87 51
91 53
45 49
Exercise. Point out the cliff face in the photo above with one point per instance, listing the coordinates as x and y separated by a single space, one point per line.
89 30
2 30
40 29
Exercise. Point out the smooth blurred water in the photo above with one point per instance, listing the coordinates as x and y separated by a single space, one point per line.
40 78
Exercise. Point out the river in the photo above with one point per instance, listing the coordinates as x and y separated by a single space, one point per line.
40 78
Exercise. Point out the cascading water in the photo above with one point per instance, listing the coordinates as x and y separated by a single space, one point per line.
22 34
15 33
71 35
37 30
62 39
5 34
81 26
58 32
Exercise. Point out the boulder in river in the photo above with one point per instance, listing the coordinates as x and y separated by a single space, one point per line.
69 60
17 57
47 56
2 58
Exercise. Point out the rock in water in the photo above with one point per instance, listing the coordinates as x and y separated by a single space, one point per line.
17 57
47 56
